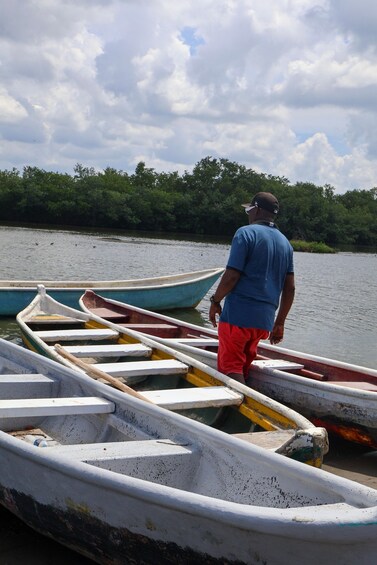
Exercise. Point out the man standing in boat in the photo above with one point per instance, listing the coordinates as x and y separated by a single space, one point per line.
258 277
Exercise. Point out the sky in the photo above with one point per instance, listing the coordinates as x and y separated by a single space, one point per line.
285 87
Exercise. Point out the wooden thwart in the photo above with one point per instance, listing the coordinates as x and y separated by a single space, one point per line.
34 385
110 314
121 450
198 397
27 407
110 350
140 368
196 341
73 335
267 440
41 319
279 364
161 330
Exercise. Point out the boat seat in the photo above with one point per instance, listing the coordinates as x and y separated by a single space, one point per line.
279 364
121 450
197 341
268 440
143 368
159 330
74 335
197 397
28 407
155 461
110 314
110 350
22 385
46 319
361 385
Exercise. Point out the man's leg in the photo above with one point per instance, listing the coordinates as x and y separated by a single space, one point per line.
231 353
251 349
237 377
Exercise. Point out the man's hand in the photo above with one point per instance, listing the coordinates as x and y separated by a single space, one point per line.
228 281
214 309
287 296
277 334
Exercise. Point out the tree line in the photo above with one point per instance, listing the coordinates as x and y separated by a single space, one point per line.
205 201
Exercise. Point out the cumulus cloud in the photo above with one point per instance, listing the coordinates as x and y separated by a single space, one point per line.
286 87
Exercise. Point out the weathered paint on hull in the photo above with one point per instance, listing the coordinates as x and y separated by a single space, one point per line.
102 543
348 430
79 527
188 295
351 416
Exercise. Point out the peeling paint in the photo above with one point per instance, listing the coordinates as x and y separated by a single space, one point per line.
102 543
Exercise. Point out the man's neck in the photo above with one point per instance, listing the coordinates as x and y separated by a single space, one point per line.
269 223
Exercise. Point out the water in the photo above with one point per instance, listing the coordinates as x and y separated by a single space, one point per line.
334 315
335 309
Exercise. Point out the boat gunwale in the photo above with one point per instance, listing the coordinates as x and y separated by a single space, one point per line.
132 284
323 386
323 360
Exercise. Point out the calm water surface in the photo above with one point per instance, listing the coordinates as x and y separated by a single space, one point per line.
334 315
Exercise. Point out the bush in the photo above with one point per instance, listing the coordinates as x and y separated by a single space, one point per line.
312 247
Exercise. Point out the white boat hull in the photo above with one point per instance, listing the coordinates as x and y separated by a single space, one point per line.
138 484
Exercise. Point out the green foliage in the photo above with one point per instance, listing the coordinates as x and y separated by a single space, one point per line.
311 247
205 201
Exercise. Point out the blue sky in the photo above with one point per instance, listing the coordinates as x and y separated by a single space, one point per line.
286 87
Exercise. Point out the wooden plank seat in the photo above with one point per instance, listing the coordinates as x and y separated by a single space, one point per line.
110 350
279 364
46 319
122 450
27 407
21 385
160 330
198 397
108 314
75 335
361 385
140 368
268 440
196 341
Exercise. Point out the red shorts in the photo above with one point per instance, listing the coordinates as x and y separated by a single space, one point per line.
237 348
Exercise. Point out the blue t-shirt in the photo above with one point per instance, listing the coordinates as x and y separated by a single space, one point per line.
264 256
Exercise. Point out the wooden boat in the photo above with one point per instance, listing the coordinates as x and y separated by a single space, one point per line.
338 396
184 290
172 380
122 481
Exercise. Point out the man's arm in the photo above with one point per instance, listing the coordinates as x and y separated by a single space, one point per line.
286 301
228 281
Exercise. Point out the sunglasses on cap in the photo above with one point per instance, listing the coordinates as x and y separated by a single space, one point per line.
247 210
